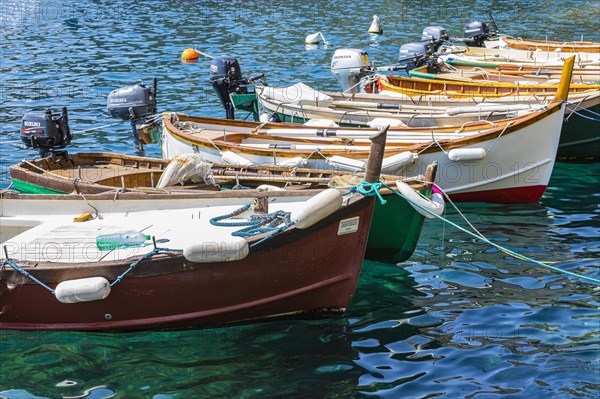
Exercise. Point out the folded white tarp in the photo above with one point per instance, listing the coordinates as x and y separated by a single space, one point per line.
298 94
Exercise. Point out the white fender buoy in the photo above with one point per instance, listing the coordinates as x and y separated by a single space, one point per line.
317 208
315 38
82 290
467 154
343 163
378 123
375 26
436 204
268 187
235 159
264 117
321 123
228 249
293 162
398 161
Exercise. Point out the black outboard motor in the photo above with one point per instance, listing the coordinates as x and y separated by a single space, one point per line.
134 103
226 78
476 33
47 132
412 54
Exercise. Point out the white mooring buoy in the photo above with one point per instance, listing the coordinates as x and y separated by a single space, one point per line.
375 26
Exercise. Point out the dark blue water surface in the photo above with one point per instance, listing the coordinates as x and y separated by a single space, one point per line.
458 320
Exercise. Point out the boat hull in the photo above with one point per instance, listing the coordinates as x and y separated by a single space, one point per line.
518 162
300 272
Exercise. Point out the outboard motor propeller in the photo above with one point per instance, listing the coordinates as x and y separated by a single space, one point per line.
48 132
135 103
226 79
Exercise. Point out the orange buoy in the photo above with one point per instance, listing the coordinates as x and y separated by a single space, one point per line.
189 54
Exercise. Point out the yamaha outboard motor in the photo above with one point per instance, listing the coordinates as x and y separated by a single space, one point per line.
349 66
434 33
134 103
413 55
226 78
476 33
46 131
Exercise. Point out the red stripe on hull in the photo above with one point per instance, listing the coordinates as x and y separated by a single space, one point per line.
515 195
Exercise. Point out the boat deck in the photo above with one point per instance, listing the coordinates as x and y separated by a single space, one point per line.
55 237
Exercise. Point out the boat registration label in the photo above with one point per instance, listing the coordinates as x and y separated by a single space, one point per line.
348 226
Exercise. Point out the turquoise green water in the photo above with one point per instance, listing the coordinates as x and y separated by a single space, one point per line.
458 320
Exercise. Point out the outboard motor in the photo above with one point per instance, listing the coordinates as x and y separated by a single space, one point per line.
47 132
134 103
226 79
413 55
476 33
349 66
435 33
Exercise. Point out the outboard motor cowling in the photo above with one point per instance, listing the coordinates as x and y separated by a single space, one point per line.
435 33
412 54
476 33
349 66
46 131
132 101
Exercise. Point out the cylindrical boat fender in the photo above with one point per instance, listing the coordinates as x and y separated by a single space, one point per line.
343 163
268 187
293 162
378 123
235 159
82 290
467 154
396 162
321 123
317 208
436 204
228 249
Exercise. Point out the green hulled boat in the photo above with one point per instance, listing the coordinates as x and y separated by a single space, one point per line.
396 225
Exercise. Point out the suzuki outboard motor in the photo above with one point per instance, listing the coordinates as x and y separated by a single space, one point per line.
134 103
46 131
349 66
435 33
476 33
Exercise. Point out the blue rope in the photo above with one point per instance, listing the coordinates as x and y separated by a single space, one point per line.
25 273
595 118
143 258
371 186
258 224
118 279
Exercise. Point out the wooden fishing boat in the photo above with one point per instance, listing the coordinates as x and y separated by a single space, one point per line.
396 225
54 278
588 74
545 45
525 57
521 150
501 73
488 89
296 105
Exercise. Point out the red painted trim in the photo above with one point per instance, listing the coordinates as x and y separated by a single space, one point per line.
502 196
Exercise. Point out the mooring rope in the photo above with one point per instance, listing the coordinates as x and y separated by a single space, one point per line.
373 189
